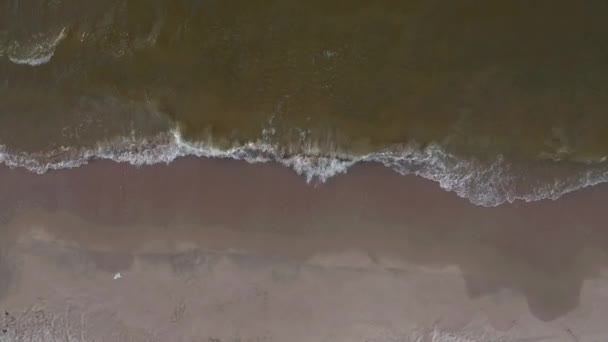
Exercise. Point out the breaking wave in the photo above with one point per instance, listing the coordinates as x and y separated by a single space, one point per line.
488 183
36 52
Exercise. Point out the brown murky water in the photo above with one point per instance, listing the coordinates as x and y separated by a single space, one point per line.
506 77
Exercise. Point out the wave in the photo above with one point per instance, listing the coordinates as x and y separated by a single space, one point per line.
488 183
35 53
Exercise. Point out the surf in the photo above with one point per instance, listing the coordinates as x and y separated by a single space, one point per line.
37 52
483 183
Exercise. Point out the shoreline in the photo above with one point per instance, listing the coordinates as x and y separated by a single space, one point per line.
483 183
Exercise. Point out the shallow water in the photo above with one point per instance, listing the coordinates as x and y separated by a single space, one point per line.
480 81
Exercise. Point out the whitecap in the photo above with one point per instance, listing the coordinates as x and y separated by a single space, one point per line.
37 52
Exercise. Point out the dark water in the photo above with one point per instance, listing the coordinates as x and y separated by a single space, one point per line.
525 80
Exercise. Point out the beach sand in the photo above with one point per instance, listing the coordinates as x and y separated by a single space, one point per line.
222 250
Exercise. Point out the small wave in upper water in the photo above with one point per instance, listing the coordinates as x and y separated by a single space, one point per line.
37 52
482 183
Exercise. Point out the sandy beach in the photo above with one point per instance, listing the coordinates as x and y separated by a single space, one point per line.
220 250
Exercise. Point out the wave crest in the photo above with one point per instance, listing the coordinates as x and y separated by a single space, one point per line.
36 52
483 183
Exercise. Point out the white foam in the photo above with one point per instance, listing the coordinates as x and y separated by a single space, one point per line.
482 183
33 61
36 53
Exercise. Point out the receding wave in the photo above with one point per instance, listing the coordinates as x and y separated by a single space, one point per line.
484 183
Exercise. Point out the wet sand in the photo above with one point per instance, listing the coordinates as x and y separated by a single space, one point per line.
220 250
